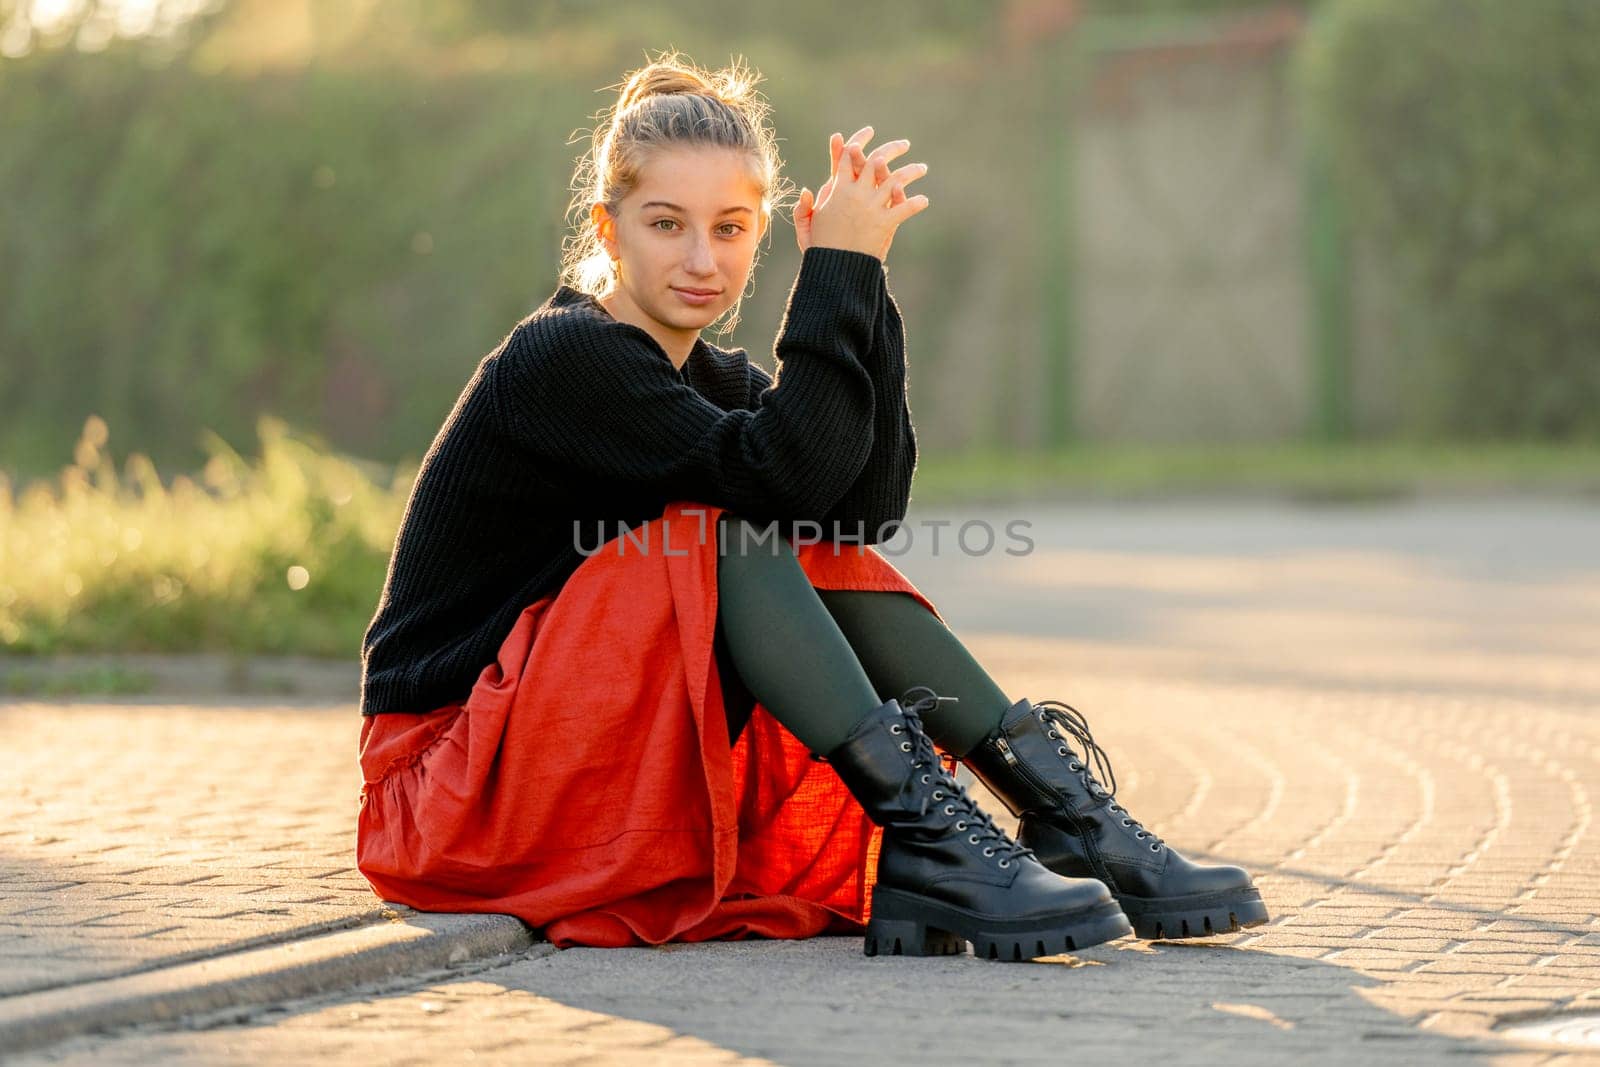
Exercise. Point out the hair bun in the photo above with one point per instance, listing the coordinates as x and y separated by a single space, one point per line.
662 78
672 73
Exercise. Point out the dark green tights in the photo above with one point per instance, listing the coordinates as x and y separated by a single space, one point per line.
820 659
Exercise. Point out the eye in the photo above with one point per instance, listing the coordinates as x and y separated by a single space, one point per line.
658 222
733 228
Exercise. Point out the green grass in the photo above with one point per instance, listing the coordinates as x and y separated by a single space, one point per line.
283 554
287 553
108 680
1352 472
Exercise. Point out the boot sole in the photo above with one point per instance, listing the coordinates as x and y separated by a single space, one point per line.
905 924
1199 915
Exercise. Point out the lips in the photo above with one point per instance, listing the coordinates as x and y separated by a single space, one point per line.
697 292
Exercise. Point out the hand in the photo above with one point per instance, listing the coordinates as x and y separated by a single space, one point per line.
838 148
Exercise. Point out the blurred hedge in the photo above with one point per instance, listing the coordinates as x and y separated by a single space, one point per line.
192 251
1463 133
338 241
337 238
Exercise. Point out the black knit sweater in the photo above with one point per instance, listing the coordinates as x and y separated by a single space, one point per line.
578 427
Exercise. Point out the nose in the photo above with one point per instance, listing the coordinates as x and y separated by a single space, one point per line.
701 262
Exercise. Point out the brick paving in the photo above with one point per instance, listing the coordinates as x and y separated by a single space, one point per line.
133 836
1392 718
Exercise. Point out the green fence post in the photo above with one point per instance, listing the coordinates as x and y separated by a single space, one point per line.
1062 80
1330 298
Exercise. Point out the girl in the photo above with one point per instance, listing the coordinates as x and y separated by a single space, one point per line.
583 709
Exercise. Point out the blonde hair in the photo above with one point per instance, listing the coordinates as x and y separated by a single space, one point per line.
669 102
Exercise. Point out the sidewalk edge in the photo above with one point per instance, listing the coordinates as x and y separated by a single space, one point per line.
419 941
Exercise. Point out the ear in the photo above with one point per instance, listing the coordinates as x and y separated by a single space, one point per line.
605 227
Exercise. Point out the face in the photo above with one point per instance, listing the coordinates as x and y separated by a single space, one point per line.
683 241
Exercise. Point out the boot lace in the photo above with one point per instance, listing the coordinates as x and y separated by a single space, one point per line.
977 823
1071 722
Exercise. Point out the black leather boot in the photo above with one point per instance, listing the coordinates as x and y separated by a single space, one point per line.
1076 828
946 873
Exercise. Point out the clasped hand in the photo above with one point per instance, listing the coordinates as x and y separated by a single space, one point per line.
861 206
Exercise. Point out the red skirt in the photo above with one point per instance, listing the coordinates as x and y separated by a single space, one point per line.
586 784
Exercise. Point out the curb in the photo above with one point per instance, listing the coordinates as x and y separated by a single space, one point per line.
134 677
411 941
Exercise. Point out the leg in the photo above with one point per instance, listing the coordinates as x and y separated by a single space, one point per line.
946 873
901 644
737 700
1163 892
786 649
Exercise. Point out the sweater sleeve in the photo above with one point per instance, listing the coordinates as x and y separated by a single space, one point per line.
876 502
602 410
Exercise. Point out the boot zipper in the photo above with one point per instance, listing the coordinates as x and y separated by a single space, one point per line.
1084 833
1024 771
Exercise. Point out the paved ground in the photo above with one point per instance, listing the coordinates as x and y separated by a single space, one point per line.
1391 715
137 835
